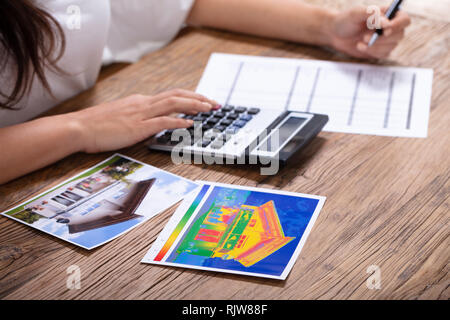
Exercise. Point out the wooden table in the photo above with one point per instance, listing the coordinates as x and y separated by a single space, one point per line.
387 198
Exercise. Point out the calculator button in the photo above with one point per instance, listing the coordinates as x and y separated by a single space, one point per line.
232 130
213 121
168 135
163 139
240 123
219 114
253 111
227 108
226 122
240 109
199 118
206 127
233 116
246 117
206 114
220 127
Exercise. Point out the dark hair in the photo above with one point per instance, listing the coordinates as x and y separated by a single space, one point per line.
31 40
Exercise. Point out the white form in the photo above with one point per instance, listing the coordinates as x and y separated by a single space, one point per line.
358 98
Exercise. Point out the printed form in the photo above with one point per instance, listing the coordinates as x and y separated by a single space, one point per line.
358 98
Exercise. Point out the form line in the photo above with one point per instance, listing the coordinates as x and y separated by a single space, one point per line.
313 90
355 97
291 92
234 82
411 102
388 107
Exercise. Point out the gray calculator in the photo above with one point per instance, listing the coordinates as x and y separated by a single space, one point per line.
236 132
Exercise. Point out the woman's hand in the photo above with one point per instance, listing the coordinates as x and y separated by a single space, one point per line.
127 121
349 33
298 21
105 127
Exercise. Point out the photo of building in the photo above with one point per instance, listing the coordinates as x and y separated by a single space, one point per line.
246 234
102 202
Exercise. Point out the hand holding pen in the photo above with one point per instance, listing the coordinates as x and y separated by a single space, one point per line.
350 33
390 14
393 25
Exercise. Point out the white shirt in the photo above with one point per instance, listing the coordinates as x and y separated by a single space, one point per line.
97 32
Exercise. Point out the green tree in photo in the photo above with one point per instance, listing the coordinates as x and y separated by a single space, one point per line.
130 167
27 216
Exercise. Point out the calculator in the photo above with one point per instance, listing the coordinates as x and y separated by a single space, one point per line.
248 134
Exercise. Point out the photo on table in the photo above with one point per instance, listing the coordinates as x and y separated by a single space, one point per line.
236 229
103 202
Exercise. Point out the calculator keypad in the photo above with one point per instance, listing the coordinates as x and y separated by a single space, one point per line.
228 116
227 131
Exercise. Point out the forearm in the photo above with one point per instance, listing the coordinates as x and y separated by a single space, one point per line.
291 20
109 126
32 145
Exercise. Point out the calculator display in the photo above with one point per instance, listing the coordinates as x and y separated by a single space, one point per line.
285 131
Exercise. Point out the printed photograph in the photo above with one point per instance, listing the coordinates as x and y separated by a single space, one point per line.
103 202
243 230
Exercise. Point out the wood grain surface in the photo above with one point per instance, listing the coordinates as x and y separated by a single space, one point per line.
387 198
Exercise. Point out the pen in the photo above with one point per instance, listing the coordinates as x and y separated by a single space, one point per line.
390 14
